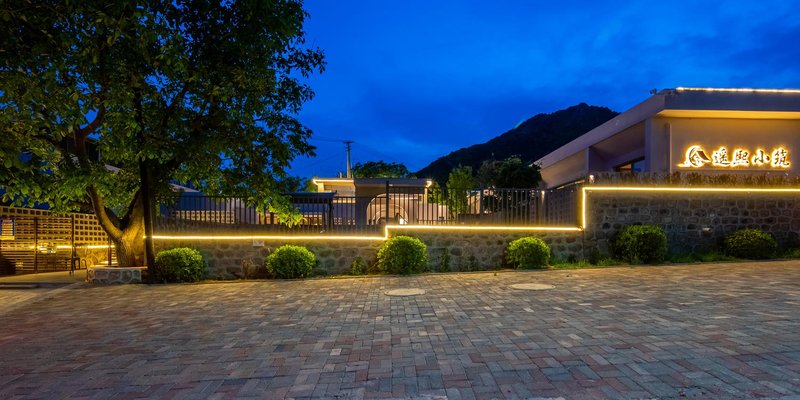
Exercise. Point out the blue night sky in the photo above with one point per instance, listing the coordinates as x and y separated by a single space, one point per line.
411 81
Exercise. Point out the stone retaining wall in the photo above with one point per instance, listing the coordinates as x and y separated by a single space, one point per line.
467 251
233 259
692 221
475 250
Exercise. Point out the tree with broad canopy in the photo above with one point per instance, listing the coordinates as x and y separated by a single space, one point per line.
203 93
380 169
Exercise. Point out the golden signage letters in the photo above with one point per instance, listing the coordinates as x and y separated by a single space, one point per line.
696 157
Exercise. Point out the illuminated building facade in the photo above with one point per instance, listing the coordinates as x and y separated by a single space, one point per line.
703 130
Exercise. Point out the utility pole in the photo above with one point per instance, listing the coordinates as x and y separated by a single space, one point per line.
347 143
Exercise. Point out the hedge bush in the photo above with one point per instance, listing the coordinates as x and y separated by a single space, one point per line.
751 243
358 267
291 262
640 244
403 255
528 253
181 264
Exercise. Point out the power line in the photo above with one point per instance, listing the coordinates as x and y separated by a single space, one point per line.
383 155
319 161
327 139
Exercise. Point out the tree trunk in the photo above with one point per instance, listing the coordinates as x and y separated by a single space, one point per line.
130 245
126 233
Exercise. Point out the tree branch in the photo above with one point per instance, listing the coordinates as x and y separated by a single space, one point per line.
105 216
98 119
171 107
134 210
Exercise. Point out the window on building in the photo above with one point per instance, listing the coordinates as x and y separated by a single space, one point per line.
633 166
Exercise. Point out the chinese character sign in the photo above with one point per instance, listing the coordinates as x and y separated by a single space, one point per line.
696 157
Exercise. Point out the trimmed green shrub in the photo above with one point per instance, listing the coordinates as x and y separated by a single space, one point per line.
640 244
444 261
528 253
181 264
291 262
403 255
791 253
751 243
358 267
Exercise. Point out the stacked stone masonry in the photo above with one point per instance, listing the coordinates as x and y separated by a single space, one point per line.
693 222
97 274
475 250
234 259
467 251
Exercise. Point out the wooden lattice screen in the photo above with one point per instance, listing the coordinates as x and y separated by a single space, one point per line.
44 241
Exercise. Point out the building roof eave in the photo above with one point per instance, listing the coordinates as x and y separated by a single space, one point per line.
635 115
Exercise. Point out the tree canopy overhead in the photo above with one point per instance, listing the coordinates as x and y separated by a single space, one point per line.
509 173
380 169
205 93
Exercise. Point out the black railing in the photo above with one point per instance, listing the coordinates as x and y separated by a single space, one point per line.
326 213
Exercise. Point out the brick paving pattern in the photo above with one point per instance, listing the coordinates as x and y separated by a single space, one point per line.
699 331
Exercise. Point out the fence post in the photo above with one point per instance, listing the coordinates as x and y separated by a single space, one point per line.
330 214
72 243
387 202
35 245
480 203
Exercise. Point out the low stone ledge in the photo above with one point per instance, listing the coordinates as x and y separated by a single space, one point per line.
103 274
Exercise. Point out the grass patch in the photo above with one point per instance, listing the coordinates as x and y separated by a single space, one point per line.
690 258
571 265
608 262
605 262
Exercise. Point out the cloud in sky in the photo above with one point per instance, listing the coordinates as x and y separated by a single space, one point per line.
411 81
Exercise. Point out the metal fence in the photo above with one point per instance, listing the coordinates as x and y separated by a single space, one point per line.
326 213
561 205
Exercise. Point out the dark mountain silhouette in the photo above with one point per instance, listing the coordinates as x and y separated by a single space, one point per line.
530 140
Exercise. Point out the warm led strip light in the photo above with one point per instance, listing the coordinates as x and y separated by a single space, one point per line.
586 189
736 90
384 237
485 228
263 237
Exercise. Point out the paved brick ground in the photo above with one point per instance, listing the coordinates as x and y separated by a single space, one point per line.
711 331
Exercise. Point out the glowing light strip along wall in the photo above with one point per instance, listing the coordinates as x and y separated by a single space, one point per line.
484 228
263 237
672 189
384 237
